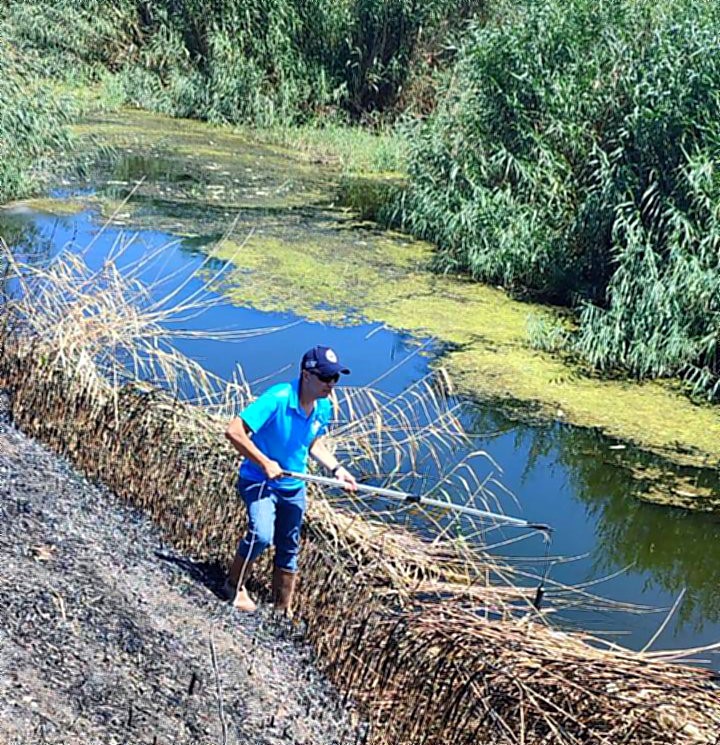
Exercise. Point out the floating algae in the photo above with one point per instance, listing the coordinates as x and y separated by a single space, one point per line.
284 199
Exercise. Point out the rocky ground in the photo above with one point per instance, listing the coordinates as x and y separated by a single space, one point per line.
107 635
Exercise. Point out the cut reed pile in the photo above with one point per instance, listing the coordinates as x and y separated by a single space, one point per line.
436 639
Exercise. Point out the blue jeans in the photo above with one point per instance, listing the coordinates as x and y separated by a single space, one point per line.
274 516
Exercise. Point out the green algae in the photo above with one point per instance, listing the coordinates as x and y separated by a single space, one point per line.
115 211
49 206
340 276
666 487
194 162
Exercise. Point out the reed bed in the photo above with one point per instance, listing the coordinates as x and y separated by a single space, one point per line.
32 121
240 60
548 168
439 641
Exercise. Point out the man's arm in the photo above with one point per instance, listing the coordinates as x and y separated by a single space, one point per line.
325 458
239 433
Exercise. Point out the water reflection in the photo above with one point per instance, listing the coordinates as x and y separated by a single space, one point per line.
666 549
19 229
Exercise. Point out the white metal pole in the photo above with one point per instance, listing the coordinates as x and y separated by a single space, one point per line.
416 499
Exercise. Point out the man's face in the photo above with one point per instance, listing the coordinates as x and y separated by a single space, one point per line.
319 386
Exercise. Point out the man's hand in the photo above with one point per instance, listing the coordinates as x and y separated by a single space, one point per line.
349 483
273 470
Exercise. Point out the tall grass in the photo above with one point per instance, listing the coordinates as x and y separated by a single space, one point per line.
31 123
73 37
53 67
574 157
265 63
354 150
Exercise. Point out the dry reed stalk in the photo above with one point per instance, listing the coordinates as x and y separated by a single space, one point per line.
400 621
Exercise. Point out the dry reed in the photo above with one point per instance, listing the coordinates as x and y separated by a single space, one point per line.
438 640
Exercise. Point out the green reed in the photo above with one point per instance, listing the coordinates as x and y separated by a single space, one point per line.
573 157
31 123
266 63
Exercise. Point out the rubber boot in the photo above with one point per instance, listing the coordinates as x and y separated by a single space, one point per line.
238 594
283 587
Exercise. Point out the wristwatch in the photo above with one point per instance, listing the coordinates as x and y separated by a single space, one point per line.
336 469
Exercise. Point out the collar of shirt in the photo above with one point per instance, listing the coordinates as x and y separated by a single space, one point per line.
294 400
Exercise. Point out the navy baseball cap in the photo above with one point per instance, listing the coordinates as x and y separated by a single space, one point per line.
323 361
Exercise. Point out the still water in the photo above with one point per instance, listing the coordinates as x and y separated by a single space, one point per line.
576 480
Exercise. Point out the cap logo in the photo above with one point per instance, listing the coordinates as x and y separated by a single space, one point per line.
310 363
330 356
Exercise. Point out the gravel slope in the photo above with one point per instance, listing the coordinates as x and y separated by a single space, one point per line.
107 635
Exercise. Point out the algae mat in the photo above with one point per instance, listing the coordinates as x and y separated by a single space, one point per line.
296 250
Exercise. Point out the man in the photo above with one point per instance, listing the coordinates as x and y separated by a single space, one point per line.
275 434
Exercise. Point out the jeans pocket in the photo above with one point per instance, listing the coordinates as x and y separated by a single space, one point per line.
250 491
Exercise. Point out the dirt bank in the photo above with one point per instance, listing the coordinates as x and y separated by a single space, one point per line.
107 635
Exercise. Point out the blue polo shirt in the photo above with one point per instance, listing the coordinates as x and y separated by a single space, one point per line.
283 431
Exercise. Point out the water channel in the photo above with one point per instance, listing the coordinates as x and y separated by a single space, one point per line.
577 480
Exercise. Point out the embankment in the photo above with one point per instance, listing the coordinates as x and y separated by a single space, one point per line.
109 635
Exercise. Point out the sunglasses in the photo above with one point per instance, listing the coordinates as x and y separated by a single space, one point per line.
326 378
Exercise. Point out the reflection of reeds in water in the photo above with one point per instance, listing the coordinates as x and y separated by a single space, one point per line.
437 639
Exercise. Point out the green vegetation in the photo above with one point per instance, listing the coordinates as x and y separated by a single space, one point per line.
31 123
352 149
574 157
51 73
269 62
571 158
